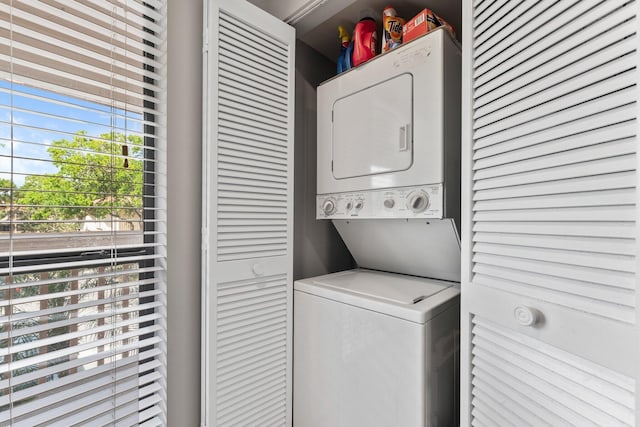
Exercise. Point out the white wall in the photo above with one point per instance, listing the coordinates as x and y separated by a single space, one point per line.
184 210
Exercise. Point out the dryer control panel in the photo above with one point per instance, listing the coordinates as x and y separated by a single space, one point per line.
404 202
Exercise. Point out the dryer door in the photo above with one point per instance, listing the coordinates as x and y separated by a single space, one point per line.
373 128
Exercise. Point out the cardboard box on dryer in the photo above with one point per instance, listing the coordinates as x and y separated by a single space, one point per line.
422 23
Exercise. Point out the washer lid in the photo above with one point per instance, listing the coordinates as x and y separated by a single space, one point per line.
411 298
393 288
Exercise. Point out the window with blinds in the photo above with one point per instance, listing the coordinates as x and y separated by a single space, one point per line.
82 211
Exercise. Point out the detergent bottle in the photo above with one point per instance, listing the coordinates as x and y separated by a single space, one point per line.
365 38
346 49
391 29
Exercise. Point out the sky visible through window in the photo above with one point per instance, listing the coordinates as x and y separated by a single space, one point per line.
69 161
41 117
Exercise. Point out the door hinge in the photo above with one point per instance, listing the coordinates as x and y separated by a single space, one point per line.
205 40
205 239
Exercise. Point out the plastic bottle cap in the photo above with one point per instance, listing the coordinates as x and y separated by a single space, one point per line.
389 11
367 14
343 34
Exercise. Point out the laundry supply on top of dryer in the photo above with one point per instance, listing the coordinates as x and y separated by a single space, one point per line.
346 50
392 26
365 38
426 20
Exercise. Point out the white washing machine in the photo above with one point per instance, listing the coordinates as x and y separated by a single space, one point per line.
375 349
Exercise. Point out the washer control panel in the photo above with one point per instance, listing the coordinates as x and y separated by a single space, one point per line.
404 202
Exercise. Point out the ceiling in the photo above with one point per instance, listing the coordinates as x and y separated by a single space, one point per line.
318 29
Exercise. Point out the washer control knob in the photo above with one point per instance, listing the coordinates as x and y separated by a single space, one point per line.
359 205
349 205
418 201
389 203
329 207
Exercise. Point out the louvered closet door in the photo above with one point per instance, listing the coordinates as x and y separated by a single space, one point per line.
550 293
248 216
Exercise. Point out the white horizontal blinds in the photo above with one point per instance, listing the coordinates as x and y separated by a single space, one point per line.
253 138
521 381
82 47
78 83
78 336
82 177
554 152
251 343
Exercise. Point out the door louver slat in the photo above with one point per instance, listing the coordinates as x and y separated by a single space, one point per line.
562 91
250 106
251 337
592 113
256 63
519 16
263 48
594 56
278 48
595 229
548 171
230 90
256 122
602 198
537 108
574 184
247 143
578 145
252 73
571 390
499 11
253 140
554 37
603 277
481 6
579 132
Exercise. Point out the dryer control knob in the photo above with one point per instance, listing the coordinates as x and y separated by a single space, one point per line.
329 207
418 201
359 205
389 203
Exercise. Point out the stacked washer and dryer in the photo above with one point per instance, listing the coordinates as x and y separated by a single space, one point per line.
378 345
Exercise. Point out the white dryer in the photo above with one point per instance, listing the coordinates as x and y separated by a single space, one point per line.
375 349
390 130
389 158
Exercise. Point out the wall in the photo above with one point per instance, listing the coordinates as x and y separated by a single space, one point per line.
318 248
184 210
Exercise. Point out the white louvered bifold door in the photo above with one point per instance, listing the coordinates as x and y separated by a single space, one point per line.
248 216
550 295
